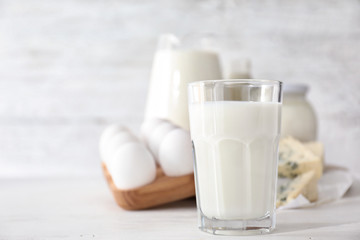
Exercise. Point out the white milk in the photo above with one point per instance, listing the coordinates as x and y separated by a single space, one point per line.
236 157
171 72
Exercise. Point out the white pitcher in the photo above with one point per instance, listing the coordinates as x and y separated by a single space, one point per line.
175 65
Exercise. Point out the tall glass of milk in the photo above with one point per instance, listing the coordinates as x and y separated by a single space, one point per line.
235 130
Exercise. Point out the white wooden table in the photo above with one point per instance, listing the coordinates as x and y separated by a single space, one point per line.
83 208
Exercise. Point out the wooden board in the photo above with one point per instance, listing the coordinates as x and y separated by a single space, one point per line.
162 190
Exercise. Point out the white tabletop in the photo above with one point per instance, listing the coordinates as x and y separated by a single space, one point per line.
84 209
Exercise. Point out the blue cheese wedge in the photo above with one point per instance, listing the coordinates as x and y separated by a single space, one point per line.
305 184
296 159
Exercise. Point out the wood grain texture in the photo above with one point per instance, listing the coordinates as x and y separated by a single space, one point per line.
162 190
83 208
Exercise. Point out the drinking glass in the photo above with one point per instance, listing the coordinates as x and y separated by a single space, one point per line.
235 131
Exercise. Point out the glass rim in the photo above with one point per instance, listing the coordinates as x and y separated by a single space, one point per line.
244 81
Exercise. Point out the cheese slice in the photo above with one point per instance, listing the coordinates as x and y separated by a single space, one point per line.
316 148
296 159
305 184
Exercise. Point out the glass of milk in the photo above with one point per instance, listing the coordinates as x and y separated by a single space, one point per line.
235 130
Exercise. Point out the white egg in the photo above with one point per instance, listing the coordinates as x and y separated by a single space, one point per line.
115 142
148 127
107 134
176 154
158 135
132 166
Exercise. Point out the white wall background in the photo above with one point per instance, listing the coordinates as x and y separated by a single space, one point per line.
69 68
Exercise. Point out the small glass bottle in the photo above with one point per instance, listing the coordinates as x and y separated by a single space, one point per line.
298 116
240 69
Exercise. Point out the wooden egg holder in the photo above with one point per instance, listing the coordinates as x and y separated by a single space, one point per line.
162 190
